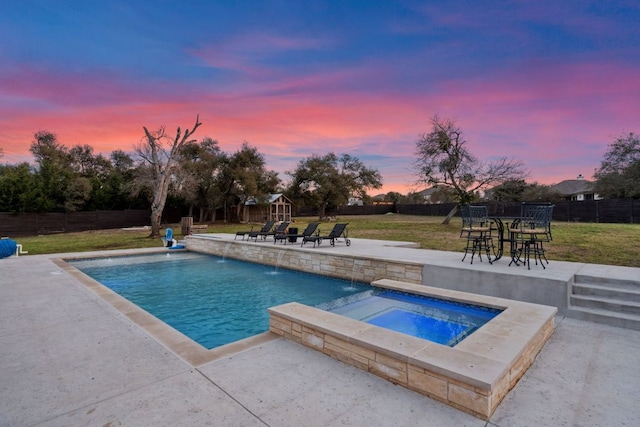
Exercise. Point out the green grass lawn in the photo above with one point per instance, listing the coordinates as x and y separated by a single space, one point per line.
614 244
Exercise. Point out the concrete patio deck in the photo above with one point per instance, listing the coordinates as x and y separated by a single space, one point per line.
68 358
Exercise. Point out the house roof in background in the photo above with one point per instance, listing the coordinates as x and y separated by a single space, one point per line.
570 187
428 191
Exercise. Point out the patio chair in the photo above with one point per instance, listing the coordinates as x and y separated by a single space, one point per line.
280 229
339 230
293 237
476 228
264 229
534 229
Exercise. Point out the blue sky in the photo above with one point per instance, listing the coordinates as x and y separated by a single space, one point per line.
550 83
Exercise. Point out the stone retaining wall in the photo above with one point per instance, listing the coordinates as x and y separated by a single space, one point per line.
357 268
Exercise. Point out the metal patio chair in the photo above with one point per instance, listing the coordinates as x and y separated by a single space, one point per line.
476 228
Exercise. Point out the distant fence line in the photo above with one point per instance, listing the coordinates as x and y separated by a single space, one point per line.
33 224
625 211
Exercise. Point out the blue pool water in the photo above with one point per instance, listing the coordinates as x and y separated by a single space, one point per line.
437 320
211 300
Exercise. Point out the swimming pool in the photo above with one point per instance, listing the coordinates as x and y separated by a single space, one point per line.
212 300
441 321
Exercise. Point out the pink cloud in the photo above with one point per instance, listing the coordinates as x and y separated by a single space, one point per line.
244 53
556 118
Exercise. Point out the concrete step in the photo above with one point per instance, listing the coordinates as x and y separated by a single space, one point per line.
631 283
607 317
624 293
615 304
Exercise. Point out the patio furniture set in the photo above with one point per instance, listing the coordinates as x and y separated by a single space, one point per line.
522 236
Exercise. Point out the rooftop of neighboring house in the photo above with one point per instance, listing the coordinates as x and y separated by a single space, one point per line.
570 187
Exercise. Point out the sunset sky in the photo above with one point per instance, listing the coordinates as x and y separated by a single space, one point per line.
550 83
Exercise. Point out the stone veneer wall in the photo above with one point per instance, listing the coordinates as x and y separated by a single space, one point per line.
388 357
309 260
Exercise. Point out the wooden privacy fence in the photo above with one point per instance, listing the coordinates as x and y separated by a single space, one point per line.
625 211
607 211
32 224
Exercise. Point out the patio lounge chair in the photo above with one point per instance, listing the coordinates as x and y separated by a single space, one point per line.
264 229
280 229
311 228
339 230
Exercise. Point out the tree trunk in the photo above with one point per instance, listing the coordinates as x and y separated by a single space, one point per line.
322 211
157 207
450 215
240 212
156 217
162 171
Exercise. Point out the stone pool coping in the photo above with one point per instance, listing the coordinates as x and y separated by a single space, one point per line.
182 346
474 376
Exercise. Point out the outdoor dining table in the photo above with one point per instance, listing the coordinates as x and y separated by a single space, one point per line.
510 224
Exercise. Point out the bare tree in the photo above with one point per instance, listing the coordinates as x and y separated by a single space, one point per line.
442 158
160 152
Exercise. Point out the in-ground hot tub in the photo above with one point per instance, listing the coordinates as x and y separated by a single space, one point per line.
441 321
474 375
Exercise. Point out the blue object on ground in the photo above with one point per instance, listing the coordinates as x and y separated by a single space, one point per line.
7 247
168 238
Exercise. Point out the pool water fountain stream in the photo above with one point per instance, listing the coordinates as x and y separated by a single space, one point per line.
354 269
279 261
224 252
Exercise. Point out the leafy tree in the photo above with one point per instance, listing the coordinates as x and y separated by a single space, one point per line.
122 183
159 155
393 196
442 158
619 172
328 181
509 191
539 192
54 172
68 179
201 167
121 161
18 189
519 191
77 194
90 187
446 194
85 163
246 177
